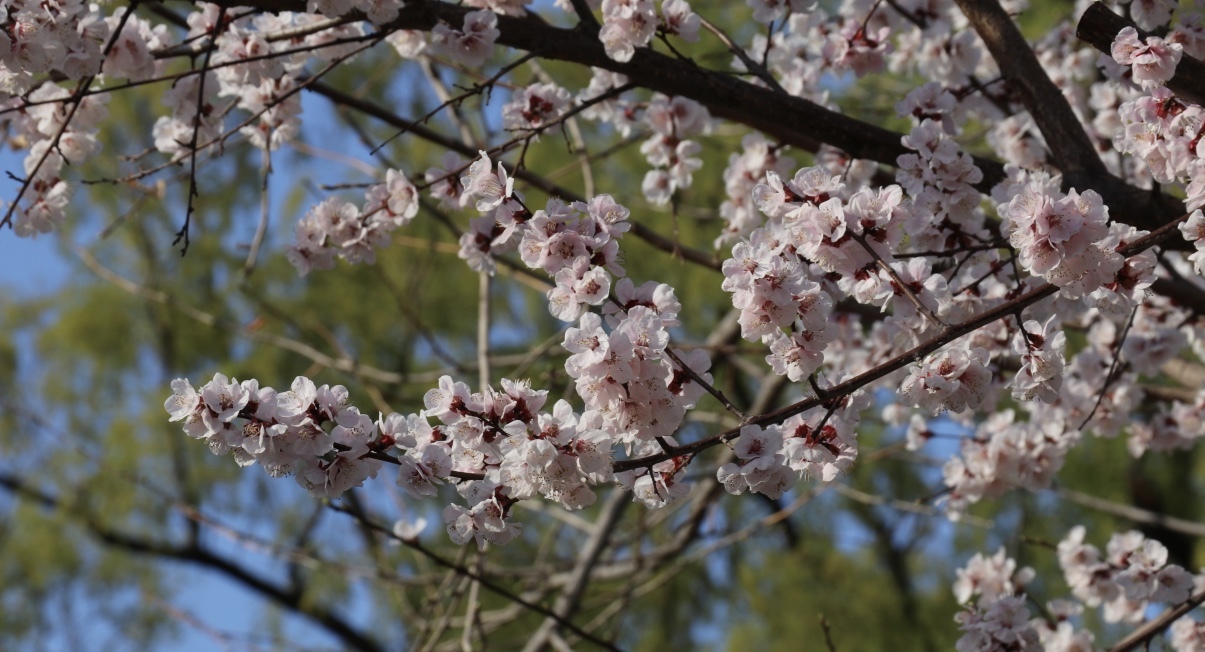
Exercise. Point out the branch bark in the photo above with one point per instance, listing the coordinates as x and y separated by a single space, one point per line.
1069 144
791 120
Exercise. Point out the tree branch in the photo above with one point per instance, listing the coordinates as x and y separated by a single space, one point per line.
1153 628
1069 144
788 119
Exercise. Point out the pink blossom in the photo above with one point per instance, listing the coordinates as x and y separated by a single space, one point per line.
1153 61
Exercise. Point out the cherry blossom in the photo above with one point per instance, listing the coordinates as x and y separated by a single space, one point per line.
627 25
1132 572
952 380
1041 351
472 44
535 106
1194 231
955 283
1153 60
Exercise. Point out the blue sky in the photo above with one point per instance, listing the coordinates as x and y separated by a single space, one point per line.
29 265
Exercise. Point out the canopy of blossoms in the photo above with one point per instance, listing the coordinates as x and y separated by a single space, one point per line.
892 264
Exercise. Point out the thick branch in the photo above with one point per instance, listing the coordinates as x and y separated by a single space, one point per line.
1069 144
1070 147
791 120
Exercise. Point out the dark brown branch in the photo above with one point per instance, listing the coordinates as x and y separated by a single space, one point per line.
1070 147
787 119
790 120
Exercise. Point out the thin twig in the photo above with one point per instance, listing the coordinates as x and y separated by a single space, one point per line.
1113 367
711 389
758 69
460 569
264 202
1132 513
895 277
476 89
483 331
828 634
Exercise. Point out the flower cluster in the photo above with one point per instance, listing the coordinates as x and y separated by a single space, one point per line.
535 107
634 387
858 47
627 25
1152 60
39 37
1188 635
1177 427
628 377
941 179
819 444
999 618
253 70
991 578
470 45
308 432
577 244
1163 131
1059 237
620 114
953 380
338 228
996 616
499 439
60 134
1004 454
1133 572
669 149
746 170
1041 348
